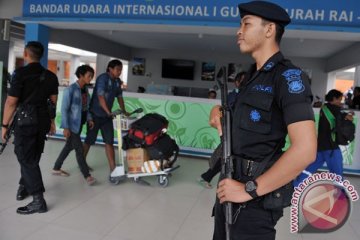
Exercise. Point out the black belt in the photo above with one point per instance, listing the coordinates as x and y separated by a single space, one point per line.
249 167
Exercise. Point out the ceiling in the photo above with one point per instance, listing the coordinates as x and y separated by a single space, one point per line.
296 43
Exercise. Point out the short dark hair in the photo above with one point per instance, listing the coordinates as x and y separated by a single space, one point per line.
333 94
278 28
141 89
83 69
36 50
113 63
357 89
210 92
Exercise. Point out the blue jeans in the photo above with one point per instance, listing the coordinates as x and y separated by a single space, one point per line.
334 162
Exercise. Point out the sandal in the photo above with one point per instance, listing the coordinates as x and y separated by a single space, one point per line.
60 172
204 183
90 180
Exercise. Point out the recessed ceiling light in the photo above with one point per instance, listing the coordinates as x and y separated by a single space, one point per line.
71 50
351 70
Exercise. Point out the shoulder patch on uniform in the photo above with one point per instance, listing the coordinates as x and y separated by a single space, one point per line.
269 66
255 116
294 81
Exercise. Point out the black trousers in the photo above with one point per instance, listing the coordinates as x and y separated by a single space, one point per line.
29 144
252 222
73 142
211 173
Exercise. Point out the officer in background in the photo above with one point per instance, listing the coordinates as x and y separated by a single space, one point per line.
30 140
275 100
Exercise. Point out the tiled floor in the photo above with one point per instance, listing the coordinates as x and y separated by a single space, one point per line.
126 211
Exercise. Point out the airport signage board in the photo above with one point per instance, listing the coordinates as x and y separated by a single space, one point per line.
306 14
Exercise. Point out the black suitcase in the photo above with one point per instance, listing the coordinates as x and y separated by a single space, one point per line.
165 148
148 129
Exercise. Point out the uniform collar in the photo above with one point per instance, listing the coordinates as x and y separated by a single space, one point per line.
33 64
268 66
272 62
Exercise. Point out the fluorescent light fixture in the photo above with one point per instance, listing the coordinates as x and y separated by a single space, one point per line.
350 70
71 50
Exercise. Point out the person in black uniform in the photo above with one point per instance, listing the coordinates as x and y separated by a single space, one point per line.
274 101
30 140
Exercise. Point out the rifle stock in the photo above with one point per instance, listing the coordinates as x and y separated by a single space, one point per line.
227 168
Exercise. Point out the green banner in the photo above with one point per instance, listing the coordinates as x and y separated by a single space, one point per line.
188 122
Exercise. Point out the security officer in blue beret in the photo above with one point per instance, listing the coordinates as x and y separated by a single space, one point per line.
273 102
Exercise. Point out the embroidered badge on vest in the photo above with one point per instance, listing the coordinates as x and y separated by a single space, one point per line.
269 66
255 116
293 78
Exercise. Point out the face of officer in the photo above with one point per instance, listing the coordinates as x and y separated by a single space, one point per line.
115 72
254 34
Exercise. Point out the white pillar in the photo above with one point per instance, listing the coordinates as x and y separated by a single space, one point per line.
75 62
357 77
101 64
60 72
11 61
330 82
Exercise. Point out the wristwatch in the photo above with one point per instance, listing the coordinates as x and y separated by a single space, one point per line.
250 188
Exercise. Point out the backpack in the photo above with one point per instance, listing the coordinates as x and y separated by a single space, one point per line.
342 130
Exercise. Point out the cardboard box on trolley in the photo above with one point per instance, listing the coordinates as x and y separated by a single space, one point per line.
135 158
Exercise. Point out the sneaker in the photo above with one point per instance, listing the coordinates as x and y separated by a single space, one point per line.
112 179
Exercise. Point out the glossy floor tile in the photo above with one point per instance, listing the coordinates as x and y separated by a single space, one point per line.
128 211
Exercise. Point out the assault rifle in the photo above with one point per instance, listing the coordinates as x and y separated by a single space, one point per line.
9 132
227 167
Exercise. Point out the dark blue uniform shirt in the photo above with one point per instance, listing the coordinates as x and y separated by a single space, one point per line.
272 97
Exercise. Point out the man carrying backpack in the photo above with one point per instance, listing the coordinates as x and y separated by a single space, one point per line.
328 140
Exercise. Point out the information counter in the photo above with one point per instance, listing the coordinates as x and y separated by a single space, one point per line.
189 124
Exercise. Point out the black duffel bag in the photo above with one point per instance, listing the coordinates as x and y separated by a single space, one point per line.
165 148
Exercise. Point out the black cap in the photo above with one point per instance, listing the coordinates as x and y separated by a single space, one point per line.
266 10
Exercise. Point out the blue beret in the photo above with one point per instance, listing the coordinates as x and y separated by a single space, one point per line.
266 10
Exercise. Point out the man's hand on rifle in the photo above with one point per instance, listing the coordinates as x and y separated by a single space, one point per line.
230 190
215 119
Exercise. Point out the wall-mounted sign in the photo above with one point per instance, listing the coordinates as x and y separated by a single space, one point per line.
335 15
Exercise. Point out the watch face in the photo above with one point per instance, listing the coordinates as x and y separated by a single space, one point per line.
250 186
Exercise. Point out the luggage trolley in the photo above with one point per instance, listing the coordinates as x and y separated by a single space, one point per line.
120 173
